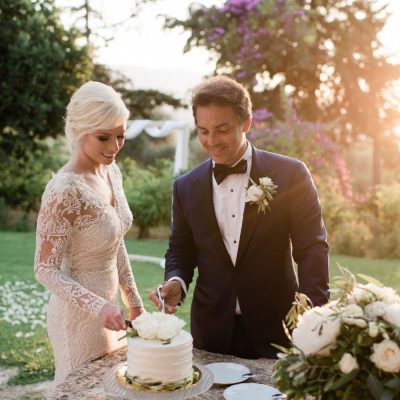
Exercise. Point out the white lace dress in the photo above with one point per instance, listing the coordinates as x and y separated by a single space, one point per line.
81 258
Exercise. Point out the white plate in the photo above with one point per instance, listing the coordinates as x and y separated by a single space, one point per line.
253 391
228 373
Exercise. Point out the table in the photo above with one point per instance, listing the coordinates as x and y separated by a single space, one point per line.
86 382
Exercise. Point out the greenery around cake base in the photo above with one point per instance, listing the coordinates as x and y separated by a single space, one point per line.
133 382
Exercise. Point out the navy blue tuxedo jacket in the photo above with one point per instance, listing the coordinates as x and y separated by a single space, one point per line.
263 278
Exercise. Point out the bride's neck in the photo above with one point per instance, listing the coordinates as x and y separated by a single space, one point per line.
81 163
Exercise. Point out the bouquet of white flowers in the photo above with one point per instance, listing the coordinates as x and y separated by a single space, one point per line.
346 349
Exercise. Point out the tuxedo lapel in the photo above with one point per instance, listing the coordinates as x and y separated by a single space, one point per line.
259 169
202 192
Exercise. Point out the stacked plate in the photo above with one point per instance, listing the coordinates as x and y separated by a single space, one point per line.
234 374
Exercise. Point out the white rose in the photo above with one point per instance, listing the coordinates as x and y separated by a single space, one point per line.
316 331
160 317
254 193
170 327
167 330
360 294
385 294
376 309
386 356
147 329
373 329
352 314
265 181
389 295
158 325
392 314
348 363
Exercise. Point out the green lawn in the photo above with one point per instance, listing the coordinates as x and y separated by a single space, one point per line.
28 347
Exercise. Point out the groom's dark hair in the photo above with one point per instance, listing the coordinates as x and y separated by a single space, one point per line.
223 91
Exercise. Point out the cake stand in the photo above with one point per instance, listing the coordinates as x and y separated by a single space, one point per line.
115 388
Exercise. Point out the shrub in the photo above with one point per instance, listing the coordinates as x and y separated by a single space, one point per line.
336 208
3 213
387 229
149 193
352 238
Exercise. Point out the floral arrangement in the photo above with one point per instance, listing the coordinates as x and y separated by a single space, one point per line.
261 194
346 349
157 325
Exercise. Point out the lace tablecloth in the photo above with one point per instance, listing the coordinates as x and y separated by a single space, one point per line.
86 382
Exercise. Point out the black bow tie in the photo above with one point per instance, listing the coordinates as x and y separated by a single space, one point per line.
221 171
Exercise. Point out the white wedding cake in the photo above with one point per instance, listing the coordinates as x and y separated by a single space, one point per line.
160 356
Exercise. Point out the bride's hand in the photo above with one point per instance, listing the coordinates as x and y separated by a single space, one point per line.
112 317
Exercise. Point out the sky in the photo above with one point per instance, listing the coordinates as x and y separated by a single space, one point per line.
143 42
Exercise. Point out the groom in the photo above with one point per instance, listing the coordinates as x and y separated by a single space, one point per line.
246 282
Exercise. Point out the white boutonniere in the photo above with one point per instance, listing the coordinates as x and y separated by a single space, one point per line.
261 194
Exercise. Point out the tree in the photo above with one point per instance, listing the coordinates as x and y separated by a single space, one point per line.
92 24
149 193
326 53
40 66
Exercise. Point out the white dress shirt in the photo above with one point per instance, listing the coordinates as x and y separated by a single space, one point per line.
229 201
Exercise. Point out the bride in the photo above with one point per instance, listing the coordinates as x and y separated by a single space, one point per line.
80 252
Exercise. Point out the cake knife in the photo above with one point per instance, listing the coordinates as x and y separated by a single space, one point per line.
128 323
161 299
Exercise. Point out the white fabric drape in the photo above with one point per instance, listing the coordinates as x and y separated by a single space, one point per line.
161 129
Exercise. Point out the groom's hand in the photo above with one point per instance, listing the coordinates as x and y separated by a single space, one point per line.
171 292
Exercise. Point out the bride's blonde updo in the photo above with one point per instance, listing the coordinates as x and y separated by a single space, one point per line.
94 106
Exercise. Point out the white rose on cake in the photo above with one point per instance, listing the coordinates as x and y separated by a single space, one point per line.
158 325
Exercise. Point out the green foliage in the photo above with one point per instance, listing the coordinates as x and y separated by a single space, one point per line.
387 228
369 227
149 193
352 237
306 141
3 213
23 180
40 66
336 208
318 48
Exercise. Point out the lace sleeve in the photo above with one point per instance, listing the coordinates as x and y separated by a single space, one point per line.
127 284
59 214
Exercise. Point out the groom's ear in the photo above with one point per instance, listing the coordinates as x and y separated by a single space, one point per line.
247 124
